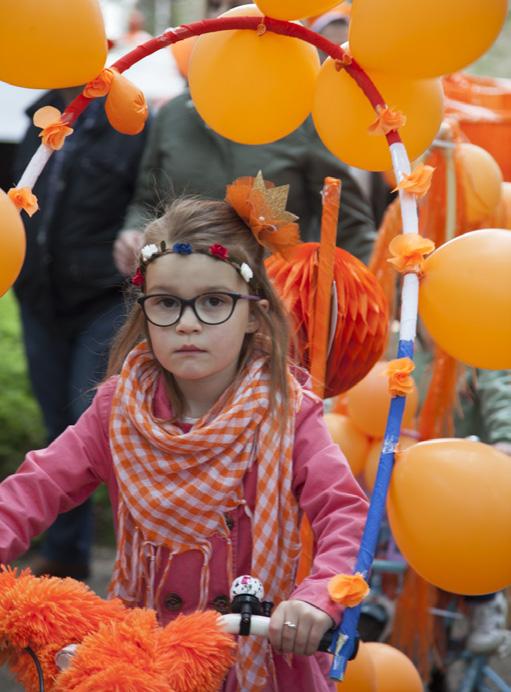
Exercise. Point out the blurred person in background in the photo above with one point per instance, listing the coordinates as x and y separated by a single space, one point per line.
184 155
69 289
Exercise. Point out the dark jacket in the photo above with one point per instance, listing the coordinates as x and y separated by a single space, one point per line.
69 275
184 155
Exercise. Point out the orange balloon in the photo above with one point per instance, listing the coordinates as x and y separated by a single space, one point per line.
294 9
481 179
51 44
501 217
354 444
369 402
394 672
450 514
423 38
182 52
342 115
360 674
12 243
249 88
373 458
465 298
125 106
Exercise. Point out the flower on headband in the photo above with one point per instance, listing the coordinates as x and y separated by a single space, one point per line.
54 130
182 248
219 251
149 251
262 206
246 272
138 278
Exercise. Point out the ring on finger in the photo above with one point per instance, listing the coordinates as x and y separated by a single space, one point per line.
293 625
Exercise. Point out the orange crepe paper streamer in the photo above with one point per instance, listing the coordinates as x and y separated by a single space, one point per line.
436 418
348 589
391 226
413 627
388 119
318 344
54 130
262 206
23 198
321 324
400 381
418 182
409 251
125 106
100 86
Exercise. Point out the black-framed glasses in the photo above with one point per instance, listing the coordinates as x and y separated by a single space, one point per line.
164 310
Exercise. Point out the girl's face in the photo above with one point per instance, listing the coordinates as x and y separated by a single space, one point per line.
198 354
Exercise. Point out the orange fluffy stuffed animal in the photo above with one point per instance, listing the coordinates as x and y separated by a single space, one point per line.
117 648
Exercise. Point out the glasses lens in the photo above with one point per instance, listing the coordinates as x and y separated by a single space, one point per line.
213 308
162 310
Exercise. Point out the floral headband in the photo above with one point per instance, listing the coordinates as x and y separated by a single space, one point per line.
152 251
262 206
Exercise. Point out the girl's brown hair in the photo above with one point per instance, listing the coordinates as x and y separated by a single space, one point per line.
202 223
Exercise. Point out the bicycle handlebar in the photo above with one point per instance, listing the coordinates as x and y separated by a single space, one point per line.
259 626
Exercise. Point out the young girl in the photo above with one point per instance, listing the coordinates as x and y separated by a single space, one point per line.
211 447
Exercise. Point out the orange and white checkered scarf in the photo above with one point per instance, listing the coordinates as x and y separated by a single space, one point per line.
175 488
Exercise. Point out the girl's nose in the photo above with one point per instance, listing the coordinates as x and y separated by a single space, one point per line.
188 321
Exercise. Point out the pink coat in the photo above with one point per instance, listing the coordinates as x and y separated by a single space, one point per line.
58 478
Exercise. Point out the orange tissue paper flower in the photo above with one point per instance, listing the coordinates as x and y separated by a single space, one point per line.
418 182
54 130
100 85
388 119
348 589
409 250
399 372
262 206
23 198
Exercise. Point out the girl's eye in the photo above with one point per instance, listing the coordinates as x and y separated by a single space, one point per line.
214 301
168 303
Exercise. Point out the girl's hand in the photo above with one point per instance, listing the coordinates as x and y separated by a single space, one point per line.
311 624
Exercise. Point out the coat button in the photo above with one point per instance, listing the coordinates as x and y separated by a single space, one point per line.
222 604
229 521
173 602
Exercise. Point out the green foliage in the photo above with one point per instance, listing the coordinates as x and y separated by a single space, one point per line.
21 427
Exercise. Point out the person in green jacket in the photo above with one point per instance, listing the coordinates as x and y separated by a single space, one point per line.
184 156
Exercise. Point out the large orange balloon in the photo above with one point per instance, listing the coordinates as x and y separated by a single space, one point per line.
342 115
369 402
354 444
481 179
465 298
373 458
249 88
294 9
423 38
12 243
394 672
125 106
51 44
360 675
450 514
